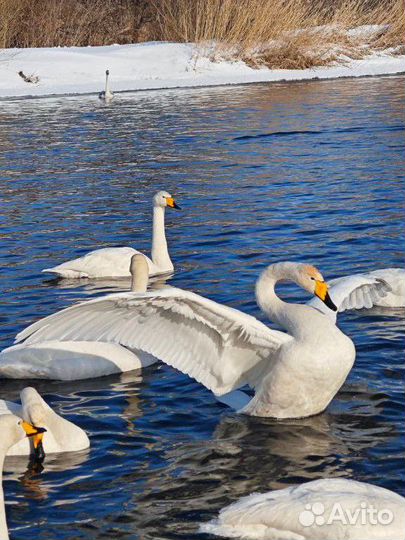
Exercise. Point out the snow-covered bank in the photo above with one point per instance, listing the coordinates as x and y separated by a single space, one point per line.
144 66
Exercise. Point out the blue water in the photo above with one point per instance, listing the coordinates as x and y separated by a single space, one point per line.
306 172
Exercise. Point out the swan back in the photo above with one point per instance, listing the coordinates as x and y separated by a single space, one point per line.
140 273
11 431
287 513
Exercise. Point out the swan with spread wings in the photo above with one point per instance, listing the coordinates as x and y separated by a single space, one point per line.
294 374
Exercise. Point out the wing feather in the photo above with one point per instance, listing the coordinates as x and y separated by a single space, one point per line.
220 347
353 292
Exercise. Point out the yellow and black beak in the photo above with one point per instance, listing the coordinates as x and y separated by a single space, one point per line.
171 203
37 434
321 291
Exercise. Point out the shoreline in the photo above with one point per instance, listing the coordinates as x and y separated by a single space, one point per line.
200 87
79 71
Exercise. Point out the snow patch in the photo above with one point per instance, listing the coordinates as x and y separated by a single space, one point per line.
156 65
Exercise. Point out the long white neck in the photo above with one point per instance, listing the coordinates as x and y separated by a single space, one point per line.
140 273
107 90
3 522
160 254
297 319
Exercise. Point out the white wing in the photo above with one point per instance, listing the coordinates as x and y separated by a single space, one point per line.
218 346
353 292
395 277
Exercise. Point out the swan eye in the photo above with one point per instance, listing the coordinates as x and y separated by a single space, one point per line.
313 279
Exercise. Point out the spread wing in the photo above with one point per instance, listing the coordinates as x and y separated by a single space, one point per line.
353 292
218 346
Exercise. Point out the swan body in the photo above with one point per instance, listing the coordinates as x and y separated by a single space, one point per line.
69 360
382 288
61 435
72 360
106 94
294 374
288 513
115 262
13 431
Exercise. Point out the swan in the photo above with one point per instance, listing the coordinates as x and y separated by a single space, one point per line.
294 374
61 435
13 430
69 360
114 262
327 509
106 94
382 288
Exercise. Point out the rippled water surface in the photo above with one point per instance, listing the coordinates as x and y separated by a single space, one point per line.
305 172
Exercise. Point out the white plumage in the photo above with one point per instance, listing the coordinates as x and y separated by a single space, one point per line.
106 94
71 360
318 510
294 375
114 262
61 435
13 430
382 288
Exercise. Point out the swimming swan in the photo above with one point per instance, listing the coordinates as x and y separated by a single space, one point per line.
328 509
106 94
68 360
294 375
61 435
114 262
13 430
382 288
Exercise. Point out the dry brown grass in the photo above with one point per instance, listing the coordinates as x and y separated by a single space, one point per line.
282 33
275 33
53 23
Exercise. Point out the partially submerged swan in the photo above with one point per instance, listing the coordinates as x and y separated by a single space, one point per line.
106 94
294 374
13 430
114 262
61 435
382 288
328 509
69 360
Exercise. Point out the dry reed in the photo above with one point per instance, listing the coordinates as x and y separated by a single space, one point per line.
275 33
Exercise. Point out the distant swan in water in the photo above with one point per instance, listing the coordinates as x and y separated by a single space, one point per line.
69 360
106 94
114 262
305 512
294 375
380 288
61 435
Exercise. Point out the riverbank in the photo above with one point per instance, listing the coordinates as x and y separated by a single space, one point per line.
156 65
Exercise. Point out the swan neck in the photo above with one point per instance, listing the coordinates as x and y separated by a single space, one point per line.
106 84
139 282
160 254
267 298
291 317
3 522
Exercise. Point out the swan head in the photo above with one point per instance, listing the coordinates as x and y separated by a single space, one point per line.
107 72
312 281
35 412
13 430
163 199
